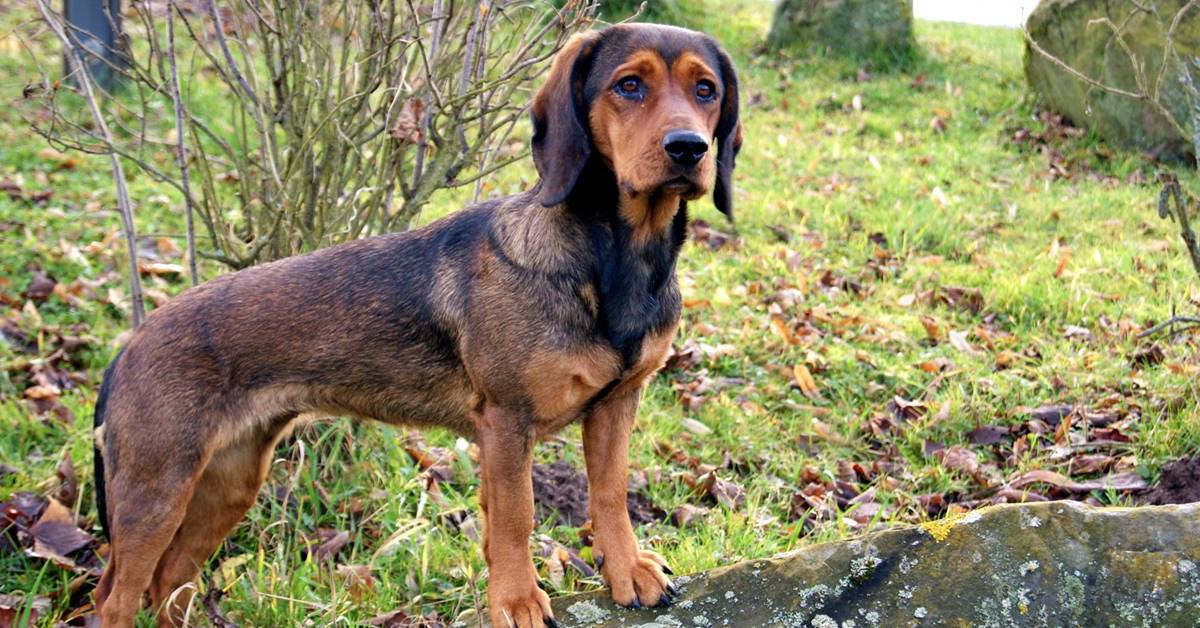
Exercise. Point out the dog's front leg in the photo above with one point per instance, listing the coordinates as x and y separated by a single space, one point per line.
506 441
636 576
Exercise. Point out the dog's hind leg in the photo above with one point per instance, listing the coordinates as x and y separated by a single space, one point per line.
145 508
226 490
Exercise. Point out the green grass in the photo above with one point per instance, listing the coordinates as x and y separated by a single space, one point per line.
813 166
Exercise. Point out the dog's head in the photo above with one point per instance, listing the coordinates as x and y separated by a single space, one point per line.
649 101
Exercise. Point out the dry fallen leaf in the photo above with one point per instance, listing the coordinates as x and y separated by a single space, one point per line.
958 339
1128 481
407 127
331 542
686 514
805 381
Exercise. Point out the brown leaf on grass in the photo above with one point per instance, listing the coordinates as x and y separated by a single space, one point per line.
14 608
963 460
68 488
936 365
864 512
40 287
933 504
703 233
160 269
881 426
57 538
1014 496
686 514
329 542
987 435
1088 464
805 381
685 357
1064 258
1109 435
932 329
358 579
556 570
434 460
965 299
1151 355
1052 415
1075 332
722 491
1006 359
958 340
783 330
1128 481
902 409
18 514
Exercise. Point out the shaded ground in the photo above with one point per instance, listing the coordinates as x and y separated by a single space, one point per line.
1178 483
560 493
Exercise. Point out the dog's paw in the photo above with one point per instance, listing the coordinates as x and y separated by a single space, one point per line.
528 610
639 579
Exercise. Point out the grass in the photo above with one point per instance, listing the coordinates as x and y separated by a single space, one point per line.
963 206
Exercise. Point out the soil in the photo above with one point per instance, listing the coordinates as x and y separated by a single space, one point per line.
561 496
1179 483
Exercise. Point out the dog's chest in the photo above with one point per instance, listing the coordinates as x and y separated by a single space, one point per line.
564 383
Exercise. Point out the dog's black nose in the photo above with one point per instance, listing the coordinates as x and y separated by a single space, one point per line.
685 148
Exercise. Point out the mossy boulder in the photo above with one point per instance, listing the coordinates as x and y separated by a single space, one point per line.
1074 31
1046 564
880 30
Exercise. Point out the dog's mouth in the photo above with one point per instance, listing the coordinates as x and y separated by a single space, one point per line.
681 186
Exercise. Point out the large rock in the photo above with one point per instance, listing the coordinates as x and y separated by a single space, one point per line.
1067 29
1046 564
875 29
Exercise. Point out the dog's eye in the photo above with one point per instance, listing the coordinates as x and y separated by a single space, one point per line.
705 90
630 87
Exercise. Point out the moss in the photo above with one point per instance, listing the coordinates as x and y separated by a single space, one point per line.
1068 30
879 31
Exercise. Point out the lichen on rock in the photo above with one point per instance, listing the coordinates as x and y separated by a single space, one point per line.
1074 31
879 30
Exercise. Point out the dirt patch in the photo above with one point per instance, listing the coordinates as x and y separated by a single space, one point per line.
560 495
1179 483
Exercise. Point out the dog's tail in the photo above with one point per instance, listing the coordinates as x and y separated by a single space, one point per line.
98 465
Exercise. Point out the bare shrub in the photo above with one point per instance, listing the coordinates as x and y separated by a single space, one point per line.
303 123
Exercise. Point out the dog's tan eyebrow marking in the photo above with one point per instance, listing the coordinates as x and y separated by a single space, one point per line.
690 65
645 63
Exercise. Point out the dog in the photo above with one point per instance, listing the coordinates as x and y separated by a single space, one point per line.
503 322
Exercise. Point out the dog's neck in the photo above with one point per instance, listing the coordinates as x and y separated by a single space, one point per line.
635 239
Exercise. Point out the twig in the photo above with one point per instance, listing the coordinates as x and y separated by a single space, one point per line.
1187 322
180 149
123 203
1172 190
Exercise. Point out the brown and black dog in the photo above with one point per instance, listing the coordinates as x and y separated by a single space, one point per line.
504 322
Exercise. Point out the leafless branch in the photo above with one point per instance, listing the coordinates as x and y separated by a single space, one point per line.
1175 324
79 71
1172 191
302 124
181 148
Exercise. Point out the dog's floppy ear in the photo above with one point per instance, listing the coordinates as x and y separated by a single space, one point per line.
561 141
729 137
